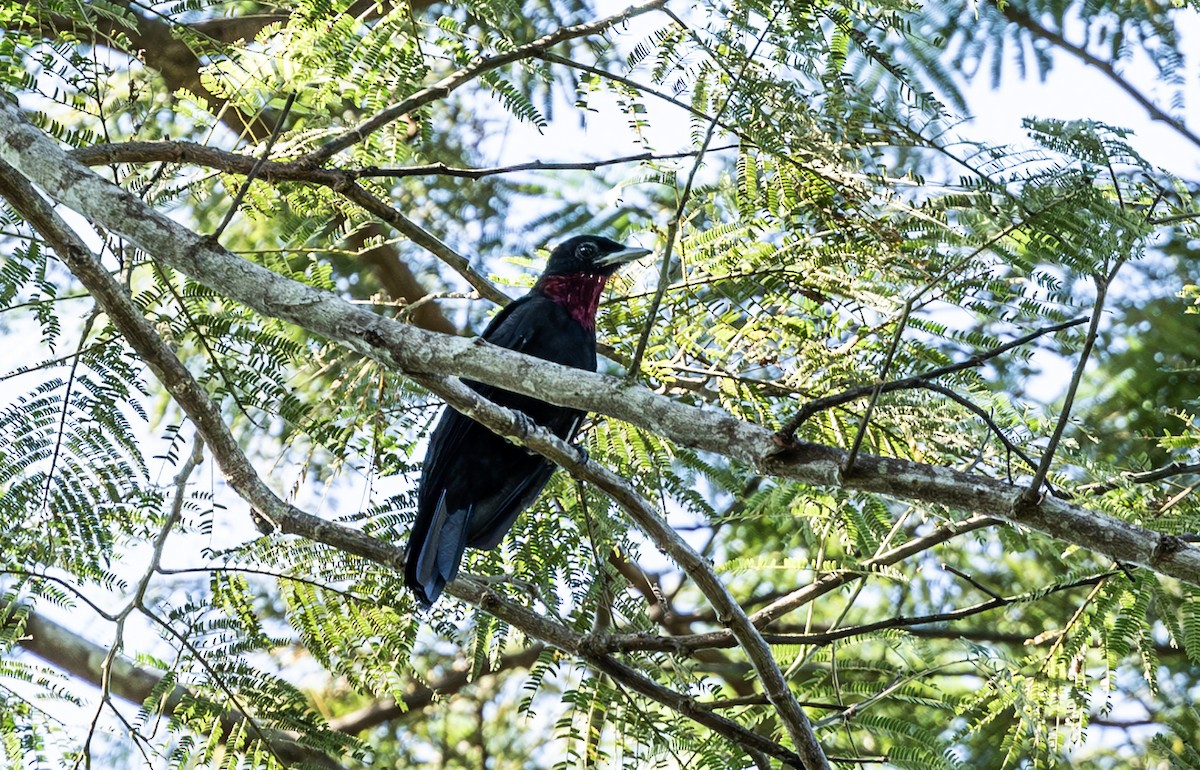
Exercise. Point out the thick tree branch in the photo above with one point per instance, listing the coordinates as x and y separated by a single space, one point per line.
288 519
416 351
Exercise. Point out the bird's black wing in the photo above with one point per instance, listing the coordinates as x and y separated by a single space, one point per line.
474 483
540 328
453 436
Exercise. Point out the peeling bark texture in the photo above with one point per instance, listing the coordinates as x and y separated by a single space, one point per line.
418 352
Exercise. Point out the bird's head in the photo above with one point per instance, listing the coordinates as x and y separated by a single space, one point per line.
590 255
577 271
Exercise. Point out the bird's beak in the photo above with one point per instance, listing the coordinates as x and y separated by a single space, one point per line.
622 256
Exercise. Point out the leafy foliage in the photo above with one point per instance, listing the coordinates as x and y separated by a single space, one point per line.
839 230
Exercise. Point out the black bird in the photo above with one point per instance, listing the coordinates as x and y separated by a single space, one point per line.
474 483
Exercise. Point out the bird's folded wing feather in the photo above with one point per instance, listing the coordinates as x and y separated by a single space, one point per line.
519 327
454 427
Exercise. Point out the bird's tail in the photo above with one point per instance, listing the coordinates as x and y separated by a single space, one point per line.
435 553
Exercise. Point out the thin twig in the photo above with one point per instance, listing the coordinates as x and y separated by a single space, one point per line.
995 429
1062 634
202 338
266 153
441 169
408 308
1143 477
1172 218
959 573
65 411
175 151
635 365
1032 494
477 67
631 83
758 699
425 239
42 301
50 363
787 432
876 389
641 642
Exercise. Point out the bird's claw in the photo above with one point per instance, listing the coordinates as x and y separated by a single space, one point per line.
521 425
581 455
524 427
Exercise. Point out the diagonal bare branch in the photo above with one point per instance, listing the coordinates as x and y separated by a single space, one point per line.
518 430
685 195
825 635
788 430
1034 490
1023 18
1143 477
339 181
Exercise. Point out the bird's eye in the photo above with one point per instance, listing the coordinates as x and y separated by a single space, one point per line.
586 250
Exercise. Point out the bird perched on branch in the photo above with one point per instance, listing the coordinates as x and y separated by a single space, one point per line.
474 483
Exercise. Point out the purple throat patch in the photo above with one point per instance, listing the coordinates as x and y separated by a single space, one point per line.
578 293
